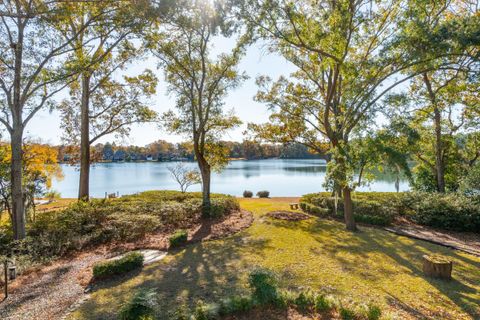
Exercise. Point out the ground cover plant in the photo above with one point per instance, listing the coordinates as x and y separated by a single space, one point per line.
371 267
85 224
179 238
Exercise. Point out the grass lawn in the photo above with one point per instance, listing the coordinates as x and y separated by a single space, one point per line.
369 266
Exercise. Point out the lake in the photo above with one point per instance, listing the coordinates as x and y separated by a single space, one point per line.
280 177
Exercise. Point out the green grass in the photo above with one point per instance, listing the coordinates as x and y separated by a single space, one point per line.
372 266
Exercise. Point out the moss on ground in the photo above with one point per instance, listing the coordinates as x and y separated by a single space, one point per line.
369 266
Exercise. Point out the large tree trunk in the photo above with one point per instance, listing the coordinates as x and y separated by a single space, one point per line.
18 203
346 194
439 165
348 210
205 171
437 123
83 190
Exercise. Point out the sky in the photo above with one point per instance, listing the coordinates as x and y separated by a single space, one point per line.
257 61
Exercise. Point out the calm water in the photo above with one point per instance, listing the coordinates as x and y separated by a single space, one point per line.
280 177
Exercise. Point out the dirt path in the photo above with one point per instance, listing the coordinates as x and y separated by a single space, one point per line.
50 292
466 242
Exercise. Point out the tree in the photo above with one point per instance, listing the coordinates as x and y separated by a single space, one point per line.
113 107
342 50
184 177
100 105
34 67
199 82
161 150
440 95
336 47
107 151
39 167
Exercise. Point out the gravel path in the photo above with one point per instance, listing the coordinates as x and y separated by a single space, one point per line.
46 294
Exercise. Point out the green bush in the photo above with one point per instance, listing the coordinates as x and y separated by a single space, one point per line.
220 207
305 301
346 313
140 307
127 263
236 304
323 303
264 285
263 194
179 238
451 211
373 312
378 208
53 195
205 311
247 194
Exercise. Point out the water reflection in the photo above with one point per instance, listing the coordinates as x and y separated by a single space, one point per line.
280 177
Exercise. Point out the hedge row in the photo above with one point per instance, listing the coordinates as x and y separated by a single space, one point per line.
447 211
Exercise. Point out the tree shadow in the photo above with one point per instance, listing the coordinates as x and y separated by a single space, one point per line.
206 271
406 254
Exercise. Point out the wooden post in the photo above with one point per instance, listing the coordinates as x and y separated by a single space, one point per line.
5 267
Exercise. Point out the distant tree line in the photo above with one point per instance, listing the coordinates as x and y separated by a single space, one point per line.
162 150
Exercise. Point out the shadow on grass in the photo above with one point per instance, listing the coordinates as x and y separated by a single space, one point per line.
206 271
407 254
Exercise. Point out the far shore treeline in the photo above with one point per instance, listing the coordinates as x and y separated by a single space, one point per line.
162 150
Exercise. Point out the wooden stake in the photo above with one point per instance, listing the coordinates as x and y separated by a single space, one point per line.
5 267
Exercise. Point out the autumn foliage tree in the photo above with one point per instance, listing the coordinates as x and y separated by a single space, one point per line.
39 166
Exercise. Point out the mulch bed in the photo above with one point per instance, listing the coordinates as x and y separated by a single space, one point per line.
288 215
50 291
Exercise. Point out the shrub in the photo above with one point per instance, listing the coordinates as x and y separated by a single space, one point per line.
129 262
205 311
373 312
141 306
53 195
264 284
220 207
373 208
179 238
235 304
346 313
263 194
87 224
323 303
181 313
247 194
451 211
305 301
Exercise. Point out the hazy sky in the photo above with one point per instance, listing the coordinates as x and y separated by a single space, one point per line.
257 61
